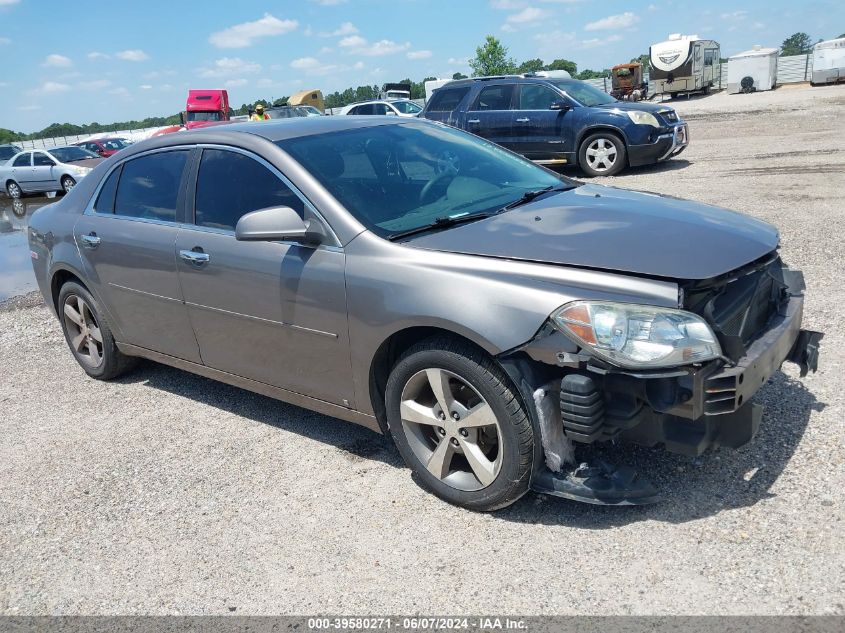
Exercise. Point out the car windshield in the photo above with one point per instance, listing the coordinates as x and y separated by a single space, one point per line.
406 107
584 93
203 116
71 154
398 178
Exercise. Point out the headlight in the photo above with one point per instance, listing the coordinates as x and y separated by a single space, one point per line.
638 336
642 118
79 171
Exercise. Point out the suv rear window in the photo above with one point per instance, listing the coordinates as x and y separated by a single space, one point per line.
447 99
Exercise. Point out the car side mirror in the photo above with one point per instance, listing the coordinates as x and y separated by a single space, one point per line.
561 106
276 223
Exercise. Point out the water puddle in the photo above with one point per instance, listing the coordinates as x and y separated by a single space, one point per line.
16 276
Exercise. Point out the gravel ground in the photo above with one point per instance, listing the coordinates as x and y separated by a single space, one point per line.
168 493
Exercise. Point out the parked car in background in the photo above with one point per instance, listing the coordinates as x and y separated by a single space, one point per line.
398 107
8 151
422 282
557 121
54 169
290 112
104 147
311 110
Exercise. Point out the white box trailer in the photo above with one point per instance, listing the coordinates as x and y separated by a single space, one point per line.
433 84
829 62
683 64
753 70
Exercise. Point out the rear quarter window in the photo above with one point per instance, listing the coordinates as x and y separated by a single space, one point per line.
447 99
105 200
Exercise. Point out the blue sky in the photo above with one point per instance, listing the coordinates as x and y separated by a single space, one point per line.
98 60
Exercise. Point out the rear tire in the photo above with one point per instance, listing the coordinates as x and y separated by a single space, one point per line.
88 334
68 183
14 189
478 454
602 154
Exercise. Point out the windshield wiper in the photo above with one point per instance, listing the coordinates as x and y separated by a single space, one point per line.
442 222
528 196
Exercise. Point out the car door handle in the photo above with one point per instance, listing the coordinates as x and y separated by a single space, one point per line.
90 241
523 120
474 121
195 258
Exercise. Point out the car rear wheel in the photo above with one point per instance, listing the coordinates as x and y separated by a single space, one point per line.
68 183
14 189
88 335
459 425
602 154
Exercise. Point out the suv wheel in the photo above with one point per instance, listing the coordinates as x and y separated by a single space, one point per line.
602 154
459 425
88 335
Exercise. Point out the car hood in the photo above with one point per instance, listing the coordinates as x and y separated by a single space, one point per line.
612 229
90 163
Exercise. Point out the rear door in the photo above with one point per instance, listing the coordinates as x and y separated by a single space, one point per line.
444 103
274 312
21 171
538 131
490 115
127 241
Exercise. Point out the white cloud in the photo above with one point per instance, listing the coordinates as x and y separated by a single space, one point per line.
228 66
244 35
507 4
29 108
460 61
551 43
527 16
619 21
352 40
326 49
358 66
57 61
97 55
419 54
5 40
165 87
6 3
236 83
652 7
96 84
601 41
305 63
734 15
132 55
121 92
145 87
347 28
51 87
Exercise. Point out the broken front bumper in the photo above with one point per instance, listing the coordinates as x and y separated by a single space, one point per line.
664 146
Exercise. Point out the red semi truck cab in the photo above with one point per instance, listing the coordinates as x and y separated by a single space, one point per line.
206 107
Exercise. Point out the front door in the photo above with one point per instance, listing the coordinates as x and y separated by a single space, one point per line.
274 312
491 116
539 132
127 243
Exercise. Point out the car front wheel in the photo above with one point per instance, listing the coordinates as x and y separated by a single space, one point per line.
459 425
602 154
88 335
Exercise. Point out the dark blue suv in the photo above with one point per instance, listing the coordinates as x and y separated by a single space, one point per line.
560 121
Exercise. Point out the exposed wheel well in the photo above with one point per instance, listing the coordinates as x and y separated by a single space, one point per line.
606 130
60 278
389 352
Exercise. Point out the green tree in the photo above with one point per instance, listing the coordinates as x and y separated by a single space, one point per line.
796 44
530 66
839 37
643 59
491 58
593 74
563 64
459 76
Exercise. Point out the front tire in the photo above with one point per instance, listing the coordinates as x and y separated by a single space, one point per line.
602 154
68 183
88 334
459 425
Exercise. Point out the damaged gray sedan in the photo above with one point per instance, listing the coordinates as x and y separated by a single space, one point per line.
486 314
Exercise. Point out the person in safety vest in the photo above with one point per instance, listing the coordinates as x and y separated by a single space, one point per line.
259 114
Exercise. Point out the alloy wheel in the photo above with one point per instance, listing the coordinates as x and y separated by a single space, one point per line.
84 334
602 154
451 429
14 190
68 184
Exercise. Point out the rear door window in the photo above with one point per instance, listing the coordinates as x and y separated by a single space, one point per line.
220 203
447 99
495 98
149 186
24 160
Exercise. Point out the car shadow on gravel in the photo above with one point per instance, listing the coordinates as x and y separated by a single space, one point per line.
692 488
355 442
575 173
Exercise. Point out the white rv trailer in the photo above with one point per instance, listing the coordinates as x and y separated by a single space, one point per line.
683 64
753 70
829 62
